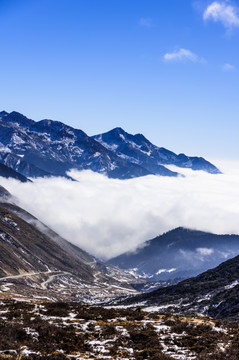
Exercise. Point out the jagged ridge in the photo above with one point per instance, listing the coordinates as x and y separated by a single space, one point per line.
139 150
50 147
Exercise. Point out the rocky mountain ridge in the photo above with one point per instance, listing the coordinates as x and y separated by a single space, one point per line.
139 150
48 147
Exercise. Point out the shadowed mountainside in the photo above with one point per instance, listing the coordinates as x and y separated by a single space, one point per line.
179 253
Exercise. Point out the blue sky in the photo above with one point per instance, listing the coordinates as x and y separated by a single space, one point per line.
166 68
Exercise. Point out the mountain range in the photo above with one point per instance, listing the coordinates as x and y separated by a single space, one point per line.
36 262
178 254
47 147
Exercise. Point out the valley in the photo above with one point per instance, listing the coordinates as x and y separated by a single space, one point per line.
119 180
37 262
173 297
178 254
58 302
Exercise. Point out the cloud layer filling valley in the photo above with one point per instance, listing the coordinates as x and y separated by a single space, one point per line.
107 217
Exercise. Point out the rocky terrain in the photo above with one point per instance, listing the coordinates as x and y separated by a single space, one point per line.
47 147
139 150
34 330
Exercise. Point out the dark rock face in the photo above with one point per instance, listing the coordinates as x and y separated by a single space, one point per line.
7 172
4 194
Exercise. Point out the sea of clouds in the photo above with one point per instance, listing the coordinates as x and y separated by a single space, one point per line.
107 217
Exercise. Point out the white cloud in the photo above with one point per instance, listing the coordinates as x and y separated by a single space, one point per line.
205 251
160 271
228 67
107 217
146 22
222 12
182 55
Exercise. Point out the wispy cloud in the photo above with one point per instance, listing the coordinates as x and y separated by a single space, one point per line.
222 12
183 55
228 67
146 22
204 251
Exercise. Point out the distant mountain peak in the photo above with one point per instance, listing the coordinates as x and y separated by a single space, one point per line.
3 113
137 149
118 130
141 137
16 117
181 229
117 133
50 147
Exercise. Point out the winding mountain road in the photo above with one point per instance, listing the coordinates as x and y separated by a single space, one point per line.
53 275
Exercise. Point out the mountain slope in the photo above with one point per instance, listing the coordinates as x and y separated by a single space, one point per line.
7 172
137 149
52 148
4 194
35 260
179 253
214 292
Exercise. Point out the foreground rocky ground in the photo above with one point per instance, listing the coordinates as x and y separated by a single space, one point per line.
54 330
